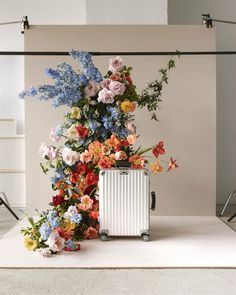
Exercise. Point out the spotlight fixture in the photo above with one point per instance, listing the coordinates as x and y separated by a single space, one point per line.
207 21
24 23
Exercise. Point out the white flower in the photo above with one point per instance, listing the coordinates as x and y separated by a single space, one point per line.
69 156
115 64
105 96
45 252
72 210
55 242
92 88
72 133
117 88
49 151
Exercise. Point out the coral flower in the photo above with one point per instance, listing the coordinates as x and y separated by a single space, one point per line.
137 162
30 244
156 167
106 150
82 131
113 141
94 214
172 165
85 157
159 149
86 203
91 233
128 106
95 148
132 138
105 162
75 177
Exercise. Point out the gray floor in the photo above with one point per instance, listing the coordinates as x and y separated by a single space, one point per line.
112 281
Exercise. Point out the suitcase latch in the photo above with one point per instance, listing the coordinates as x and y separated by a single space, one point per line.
124 173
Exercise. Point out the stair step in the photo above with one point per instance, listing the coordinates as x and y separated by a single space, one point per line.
12 152
7 127
13 185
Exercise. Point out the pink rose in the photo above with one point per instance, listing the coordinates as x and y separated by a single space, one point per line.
105 83
117 88
130 126
120 155
92 88
55 242
115 64
105 96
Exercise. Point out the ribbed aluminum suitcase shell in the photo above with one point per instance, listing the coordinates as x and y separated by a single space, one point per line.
124 206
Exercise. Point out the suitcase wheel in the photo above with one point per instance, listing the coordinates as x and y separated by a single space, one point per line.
103 237
145 237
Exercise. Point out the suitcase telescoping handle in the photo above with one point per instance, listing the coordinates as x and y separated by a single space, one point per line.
153 204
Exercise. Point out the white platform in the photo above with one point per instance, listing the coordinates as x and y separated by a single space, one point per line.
176 242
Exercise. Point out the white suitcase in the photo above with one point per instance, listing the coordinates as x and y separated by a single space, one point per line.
124 203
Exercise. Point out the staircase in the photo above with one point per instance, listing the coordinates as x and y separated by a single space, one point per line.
12 163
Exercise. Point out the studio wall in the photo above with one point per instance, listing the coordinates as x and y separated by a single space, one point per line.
187 117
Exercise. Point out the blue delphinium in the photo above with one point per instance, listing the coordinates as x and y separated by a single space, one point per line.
88 68
45 230
76 218
71 245
59 130
107 122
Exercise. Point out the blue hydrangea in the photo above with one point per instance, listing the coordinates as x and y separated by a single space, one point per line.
76 218
59 130
59 174
51 214
55 222
45 230
94 125
71 245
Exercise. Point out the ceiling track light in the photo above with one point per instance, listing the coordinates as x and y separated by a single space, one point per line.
24 24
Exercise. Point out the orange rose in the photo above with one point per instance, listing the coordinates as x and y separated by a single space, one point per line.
128 106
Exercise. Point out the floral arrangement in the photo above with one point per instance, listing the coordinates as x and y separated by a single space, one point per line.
98 132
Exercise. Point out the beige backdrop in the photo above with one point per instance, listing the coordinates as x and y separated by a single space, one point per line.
187 116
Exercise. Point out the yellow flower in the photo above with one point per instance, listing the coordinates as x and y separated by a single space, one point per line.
128 106
71 133
30 244
156 167
75 113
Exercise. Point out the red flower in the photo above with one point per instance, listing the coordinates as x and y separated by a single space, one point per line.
82 131
172 165
128 79
57 200
159 149
91 178
91 233
82 168
74 177
124 142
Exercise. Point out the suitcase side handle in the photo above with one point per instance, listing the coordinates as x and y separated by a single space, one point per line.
153 204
